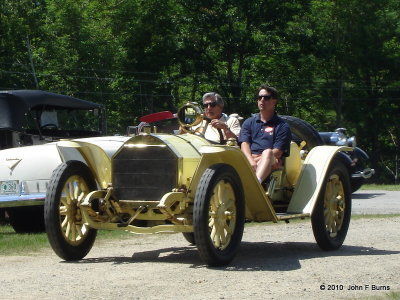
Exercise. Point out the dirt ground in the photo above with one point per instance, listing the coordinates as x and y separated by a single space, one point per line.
280 261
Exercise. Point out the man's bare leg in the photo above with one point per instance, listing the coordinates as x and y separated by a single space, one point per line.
265 164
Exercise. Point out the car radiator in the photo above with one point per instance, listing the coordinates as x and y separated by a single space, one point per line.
144 172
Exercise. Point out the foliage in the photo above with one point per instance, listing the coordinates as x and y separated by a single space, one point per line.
336 63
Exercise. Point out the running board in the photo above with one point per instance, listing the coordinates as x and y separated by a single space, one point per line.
283 216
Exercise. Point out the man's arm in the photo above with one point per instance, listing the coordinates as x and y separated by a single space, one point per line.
224 127
283 139
234 126
245 146
229 133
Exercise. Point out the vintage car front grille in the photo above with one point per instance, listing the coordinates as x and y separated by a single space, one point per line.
144 173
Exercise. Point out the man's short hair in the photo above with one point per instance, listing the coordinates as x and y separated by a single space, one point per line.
271 90
216 97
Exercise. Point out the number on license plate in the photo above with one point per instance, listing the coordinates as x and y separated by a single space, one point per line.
9 187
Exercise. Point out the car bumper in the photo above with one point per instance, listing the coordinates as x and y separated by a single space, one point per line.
366 173
22 200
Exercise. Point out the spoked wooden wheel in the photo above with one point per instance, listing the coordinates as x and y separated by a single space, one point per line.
334 205
218 215
331 216
69 237
75 189
222 215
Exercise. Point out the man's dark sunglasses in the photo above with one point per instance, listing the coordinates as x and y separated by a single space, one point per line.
266 97
211 104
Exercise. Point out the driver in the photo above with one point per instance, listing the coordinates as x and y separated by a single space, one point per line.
221 127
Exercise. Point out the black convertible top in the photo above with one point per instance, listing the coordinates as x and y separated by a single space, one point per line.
14 105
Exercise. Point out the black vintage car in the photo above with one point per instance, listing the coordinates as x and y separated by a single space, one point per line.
358 159
31 117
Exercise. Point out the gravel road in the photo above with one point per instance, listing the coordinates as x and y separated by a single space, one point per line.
276 261
376 202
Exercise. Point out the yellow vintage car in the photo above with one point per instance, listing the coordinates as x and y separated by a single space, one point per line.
157 182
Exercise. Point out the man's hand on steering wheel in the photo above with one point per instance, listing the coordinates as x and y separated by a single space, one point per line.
218 124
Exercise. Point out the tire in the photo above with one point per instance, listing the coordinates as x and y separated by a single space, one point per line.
26 219
189 236
3 219
68 236
356 184
303 131
218 206
331 215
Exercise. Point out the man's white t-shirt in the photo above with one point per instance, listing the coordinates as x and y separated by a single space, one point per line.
212 133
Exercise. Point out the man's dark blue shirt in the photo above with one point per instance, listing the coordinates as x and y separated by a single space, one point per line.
273 134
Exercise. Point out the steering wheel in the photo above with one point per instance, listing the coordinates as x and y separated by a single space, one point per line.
49 126
191 115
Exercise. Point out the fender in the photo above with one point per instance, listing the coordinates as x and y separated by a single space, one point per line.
95 157
359 153
347 160
258 206
311 178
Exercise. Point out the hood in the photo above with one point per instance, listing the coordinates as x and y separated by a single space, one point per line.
31 162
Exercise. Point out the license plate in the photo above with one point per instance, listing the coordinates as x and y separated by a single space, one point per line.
9 187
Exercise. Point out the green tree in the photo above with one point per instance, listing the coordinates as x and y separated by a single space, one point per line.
20 30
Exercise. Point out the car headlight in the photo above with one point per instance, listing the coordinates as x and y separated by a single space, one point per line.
352 141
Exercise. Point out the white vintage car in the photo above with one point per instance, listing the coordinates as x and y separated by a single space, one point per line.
24 176
31 122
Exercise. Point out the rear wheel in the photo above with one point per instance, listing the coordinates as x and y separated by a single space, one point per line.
218 215
303 131
331 216
356 184
26 219
189 236
69 237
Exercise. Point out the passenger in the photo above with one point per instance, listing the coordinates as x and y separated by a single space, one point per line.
265 137
220 124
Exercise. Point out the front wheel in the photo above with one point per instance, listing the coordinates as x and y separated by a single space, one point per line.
69 237
331 215
218 215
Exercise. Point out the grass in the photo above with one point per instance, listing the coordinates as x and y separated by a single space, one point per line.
383 187
377 216
12 243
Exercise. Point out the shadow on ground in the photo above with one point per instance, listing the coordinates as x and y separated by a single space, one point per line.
361 196
261 256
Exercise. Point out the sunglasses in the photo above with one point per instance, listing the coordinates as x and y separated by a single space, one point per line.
211 104
266 97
